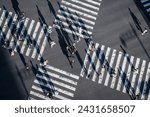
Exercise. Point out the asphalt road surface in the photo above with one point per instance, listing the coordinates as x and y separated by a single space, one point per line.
116 67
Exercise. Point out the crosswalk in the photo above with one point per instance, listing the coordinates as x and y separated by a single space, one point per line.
34 35
61 83
117 70
146 5
81 14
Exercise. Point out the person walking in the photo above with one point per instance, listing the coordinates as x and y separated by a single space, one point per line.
44 63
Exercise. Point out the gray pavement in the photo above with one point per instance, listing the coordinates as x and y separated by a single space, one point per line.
112 26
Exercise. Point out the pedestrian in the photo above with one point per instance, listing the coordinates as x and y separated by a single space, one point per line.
145 31
21 37
45 62
21 16
30 41
92 47
12 53
49 94
52 43
27 67
72 62
133 68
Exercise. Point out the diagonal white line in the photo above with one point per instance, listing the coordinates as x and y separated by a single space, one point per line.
5 25
146 83
80 8
122 70
56 82
140 77
50 87
28 34
92 61
62 72
85 62
22 31
79 12
103 69
85 4
128 74
43 44
2 17
33 37
74 22
110 67
11 27
98 63
58 77
116 70
75 17
93 2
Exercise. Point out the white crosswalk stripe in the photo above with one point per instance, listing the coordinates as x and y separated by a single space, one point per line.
146 5
140 77
33 38
39 39
128 74
110 67
117 70
17 48
146 83
11 27
61 83
92 61
82 14
25 37
98 63
104 63
2 33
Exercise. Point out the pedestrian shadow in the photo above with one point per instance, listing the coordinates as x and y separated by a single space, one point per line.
136 21
22 59
126 37
135 33
22 82
144 87
34 68
143 11
15 5
51 8
41 18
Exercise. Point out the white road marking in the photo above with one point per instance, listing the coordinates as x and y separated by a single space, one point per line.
127 79
43 44
28 34
98 63
92 60
62 72
38 42
122 70
79 8
22 31
146 82
33 38
58 77
101 76
140 77
110 67
85 62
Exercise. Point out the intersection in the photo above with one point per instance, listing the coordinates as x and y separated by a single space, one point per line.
117 68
